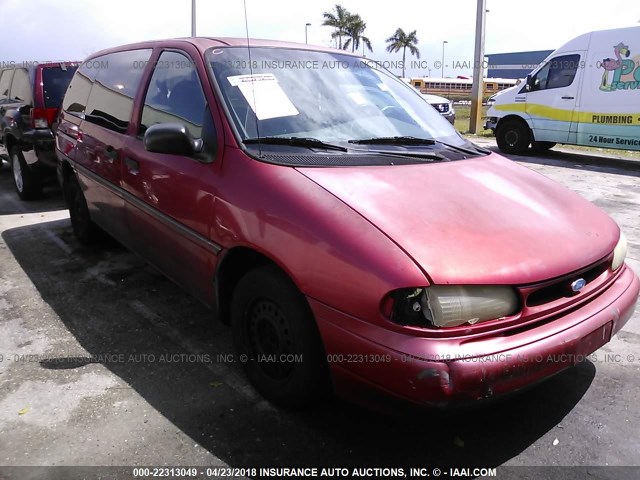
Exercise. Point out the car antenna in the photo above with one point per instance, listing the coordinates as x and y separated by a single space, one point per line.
253 88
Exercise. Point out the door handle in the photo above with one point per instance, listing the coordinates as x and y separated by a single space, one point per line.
568 98
111 153
132 165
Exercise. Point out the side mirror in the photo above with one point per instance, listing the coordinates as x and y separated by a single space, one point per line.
171 138
24 110
529 83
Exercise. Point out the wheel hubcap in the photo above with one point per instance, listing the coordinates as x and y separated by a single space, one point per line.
271 338
17 173
511 137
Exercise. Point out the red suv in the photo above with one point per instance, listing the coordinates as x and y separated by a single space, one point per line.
344 228
30 98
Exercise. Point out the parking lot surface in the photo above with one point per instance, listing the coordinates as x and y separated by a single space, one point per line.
106 362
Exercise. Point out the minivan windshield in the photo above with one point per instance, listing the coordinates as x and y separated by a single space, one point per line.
327 97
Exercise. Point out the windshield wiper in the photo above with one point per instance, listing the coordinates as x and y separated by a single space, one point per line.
401 140
478 150
296 142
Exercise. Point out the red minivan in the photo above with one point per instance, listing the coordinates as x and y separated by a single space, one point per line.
350 236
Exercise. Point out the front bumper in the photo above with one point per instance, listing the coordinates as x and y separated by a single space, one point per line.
366 358
491 123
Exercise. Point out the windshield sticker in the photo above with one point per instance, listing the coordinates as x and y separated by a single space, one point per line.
264 95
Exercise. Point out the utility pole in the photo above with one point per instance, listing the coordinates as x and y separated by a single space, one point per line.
193 18
478 69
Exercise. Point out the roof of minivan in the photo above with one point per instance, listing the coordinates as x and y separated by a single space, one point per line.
204 43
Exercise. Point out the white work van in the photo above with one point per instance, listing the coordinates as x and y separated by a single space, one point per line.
587 92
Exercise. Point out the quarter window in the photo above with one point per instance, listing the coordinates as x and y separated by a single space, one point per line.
75 99
174 95
5 83
21 87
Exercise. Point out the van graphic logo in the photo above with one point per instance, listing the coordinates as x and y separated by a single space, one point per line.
578 284
620 73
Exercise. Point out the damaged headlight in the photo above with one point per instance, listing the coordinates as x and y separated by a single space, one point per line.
619 253
450 306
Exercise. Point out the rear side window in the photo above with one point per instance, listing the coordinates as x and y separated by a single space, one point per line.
112 95
55 82
5 83
21 86
174 95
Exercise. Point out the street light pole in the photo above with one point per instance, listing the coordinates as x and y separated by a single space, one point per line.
193 18
478 69
305 32
444 41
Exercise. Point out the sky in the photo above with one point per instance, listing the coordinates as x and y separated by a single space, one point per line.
73 29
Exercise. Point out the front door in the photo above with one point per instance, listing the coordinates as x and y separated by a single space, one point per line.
170 198
551 101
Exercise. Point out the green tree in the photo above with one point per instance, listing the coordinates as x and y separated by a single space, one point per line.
339 20
354 30
400 40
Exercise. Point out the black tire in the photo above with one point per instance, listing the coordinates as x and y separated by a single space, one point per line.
270 317
542 146
28 185
85 231
513 136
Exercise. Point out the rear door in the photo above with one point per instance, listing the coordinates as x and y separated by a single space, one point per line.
170 198
551 102
103 133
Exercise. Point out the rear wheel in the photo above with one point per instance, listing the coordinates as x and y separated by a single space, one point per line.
85 231
277 339
27 184
542 146
513 136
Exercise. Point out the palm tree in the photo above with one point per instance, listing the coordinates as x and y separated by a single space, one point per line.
338 20
354 30
400 40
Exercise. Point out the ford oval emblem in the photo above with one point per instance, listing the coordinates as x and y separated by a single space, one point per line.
578 284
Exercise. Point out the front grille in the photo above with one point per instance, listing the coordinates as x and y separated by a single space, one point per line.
561 288
441 107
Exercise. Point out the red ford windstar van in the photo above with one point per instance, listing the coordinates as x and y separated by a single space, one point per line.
350 236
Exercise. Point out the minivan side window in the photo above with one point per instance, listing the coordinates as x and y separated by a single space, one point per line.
112 95
21 87
75 99
5 83
557 73
174 94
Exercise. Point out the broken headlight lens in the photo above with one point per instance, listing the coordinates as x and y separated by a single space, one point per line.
619 253
451 306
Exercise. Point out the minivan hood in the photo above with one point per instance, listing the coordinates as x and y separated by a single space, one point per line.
485 220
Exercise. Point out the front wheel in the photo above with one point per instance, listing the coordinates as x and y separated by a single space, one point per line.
513 136
28 186
277 339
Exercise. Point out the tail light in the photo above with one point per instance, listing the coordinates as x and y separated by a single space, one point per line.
43 117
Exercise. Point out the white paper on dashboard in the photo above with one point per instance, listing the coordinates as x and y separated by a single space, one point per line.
264 95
